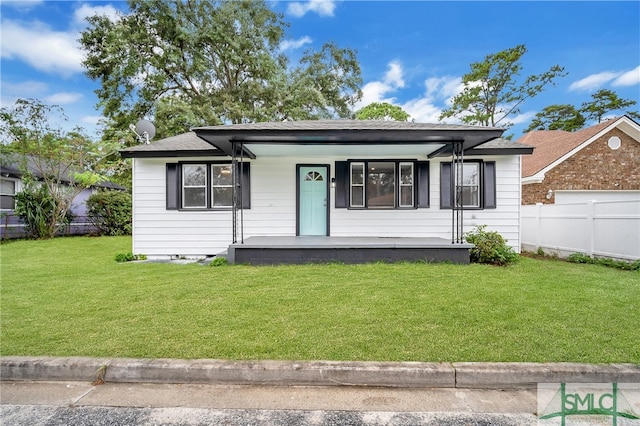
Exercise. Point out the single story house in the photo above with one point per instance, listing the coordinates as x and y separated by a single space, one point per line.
11 183
342 190
601 163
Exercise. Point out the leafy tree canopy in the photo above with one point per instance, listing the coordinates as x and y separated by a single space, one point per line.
493 89
557 117
382 111
61 162
192 63
605 101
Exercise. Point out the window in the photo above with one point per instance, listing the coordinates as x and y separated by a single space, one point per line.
194 186
357 185
205 186
7 194
470 188
382 184
221 185
406 185
478 185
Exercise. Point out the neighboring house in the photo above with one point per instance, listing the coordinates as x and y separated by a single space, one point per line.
363 184
11 184
599 163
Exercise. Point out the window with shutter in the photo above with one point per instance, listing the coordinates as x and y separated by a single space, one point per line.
381 184
187 183
477 187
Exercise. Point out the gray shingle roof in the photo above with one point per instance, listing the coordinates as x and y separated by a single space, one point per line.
184 144
203 141
329 125
501 146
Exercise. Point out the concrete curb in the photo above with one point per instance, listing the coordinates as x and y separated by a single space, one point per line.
314 373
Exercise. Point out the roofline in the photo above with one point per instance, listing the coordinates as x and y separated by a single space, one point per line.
615 123
226 139
171 154
500 151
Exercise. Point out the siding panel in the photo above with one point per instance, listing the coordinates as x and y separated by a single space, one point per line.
162 232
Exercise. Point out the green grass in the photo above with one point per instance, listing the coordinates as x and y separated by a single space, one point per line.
69 297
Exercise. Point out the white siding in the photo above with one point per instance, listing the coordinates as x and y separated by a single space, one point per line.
162 232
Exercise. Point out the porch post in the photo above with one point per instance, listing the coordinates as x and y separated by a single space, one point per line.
457 211
234 196
241 194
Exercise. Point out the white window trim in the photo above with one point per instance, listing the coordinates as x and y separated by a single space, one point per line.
358 185
184 187
405 185
213 200
16 189
478 185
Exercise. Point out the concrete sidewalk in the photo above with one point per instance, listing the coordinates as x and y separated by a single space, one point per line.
461 375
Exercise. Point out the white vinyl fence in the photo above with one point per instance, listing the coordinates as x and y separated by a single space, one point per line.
597 228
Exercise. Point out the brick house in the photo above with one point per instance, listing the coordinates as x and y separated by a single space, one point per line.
601 162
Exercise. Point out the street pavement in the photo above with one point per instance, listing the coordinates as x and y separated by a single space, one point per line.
116 404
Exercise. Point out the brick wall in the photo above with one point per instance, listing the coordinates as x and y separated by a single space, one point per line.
596 167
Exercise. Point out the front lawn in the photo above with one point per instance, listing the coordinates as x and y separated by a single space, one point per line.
68 297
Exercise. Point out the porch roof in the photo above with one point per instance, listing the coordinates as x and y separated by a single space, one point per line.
331 137
346 137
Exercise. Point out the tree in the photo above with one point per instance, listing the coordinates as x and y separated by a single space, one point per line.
56 165
493 90
382 111
557 117
605 101
211 62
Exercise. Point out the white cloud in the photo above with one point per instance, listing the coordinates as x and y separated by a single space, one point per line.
393 77
593 81
321 7
443 88
438 92
23 5
83 12
11 92
25 89
63 98
628 78
42 48
376 91
295 44
94 120
422 110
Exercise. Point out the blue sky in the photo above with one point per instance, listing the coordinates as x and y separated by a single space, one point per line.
412 54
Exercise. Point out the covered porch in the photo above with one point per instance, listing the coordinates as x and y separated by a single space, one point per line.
274 250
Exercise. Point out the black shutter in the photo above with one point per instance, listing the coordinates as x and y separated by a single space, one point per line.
173 186
489 185
446 187
342 184
422 181
244 171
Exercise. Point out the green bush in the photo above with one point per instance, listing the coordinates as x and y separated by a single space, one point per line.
490 247
37 208
129 257
604 261
219 261
110 212
579 258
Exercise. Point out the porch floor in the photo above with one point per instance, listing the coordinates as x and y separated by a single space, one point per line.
273 250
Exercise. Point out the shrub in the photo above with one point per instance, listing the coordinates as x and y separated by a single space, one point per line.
110 212
38 209
490 247
129 257
579 258
219 261
604 261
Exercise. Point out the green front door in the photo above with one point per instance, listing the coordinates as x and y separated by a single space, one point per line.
312 200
